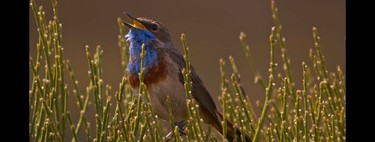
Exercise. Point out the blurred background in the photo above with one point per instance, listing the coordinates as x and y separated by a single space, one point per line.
212 29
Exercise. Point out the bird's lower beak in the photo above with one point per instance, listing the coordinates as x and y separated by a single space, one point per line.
136 23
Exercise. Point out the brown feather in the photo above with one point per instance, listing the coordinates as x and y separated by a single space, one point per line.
154 75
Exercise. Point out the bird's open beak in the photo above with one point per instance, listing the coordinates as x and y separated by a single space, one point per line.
136 23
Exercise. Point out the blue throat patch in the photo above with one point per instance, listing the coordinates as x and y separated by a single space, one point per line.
136 38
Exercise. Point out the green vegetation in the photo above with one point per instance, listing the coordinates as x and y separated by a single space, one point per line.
315 112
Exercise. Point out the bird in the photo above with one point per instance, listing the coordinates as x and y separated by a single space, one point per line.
163 64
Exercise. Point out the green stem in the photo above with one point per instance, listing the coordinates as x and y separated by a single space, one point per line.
269 88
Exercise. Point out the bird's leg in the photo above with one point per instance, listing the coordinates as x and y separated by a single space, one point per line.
180 126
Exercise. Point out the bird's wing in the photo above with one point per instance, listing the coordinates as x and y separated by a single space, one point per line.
199 91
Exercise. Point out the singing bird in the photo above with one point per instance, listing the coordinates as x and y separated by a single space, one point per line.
163 64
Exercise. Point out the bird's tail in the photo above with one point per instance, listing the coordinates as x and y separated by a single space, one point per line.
232 132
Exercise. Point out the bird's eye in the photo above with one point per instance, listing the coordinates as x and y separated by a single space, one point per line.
154 27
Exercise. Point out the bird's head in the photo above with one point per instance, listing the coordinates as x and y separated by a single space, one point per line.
147 30
153 34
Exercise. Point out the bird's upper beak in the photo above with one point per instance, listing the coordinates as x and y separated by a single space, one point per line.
136 23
